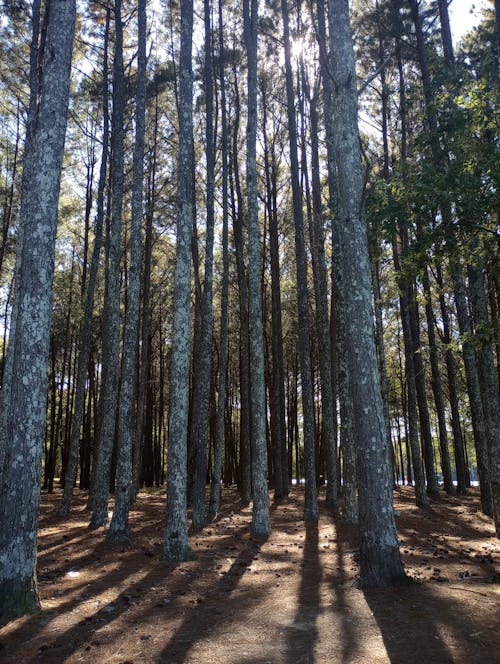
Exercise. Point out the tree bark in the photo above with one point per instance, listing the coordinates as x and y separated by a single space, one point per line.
380 562
88 303
176 547
118 529
111 348
261 524
201 386
215 486
24 400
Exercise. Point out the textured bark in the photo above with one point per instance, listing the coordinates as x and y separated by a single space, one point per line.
88 307
338 388
24 400
347 438
244 474
380 562
215 486
28 170
118 529
311 499
108 405
176 547
261 523
201 385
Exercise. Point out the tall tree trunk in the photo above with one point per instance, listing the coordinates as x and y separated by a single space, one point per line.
145 350
328 405
201 386
423 409
24 401
413 438
88 303
215 486
380 562
451 373
111 348
118 530
176 545
311 499
261 523
437 388
277 383
244 474
339 371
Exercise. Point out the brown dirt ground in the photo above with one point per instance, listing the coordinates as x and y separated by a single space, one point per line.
291 599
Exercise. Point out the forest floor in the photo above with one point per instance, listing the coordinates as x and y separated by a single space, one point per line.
289 600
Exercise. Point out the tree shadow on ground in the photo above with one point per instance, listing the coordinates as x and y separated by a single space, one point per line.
302 634
423 615
133 585
207 616
346 534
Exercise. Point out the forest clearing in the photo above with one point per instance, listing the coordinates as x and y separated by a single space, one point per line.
291 599
243 244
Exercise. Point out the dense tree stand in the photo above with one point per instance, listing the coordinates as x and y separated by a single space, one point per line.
247 245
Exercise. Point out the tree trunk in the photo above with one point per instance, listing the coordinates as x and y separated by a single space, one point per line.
111 348
261 524
380 562
277 386
437 389
24 401
118 530
88 303
328 405
311 499
244 474
176 547
215 487
414 443
201 386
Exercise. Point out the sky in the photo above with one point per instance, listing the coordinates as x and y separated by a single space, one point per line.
461 17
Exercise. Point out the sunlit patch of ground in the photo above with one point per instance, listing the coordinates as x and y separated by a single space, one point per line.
291 599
